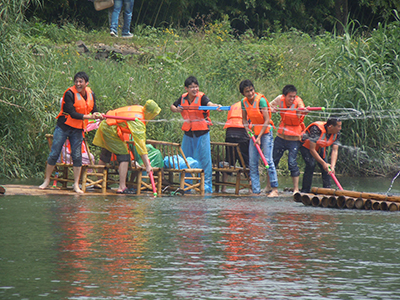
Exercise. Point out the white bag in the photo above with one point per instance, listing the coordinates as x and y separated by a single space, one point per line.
103 4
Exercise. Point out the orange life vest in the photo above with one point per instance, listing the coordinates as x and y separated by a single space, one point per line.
322 142
133 111
235 116
81 105
255 116
290 123
195 119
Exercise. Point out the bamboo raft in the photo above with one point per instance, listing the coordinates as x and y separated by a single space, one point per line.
331 198
33 190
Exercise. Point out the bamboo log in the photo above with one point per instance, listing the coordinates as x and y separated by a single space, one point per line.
356 195
393 206
341 201
306 199
325 201
316 200
359 203
350 202
384 206
297 197
332 202
375 205
368 204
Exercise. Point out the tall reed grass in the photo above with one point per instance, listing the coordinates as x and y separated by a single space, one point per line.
361 72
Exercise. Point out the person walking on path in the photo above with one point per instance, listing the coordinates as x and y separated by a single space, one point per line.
128 9
77 106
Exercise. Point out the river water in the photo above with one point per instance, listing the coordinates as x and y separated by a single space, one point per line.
109 247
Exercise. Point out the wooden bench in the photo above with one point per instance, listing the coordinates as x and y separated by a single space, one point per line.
91 175
138 178
221 155
184 178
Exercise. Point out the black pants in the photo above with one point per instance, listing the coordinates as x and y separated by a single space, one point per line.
309 171
244 150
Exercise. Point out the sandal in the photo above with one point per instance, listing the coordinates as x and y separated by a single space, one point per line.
178 192
127 191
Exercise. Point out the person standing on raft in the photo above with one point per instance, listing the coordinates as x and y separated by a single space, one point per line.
110 137
77 106
256 115
196 140
289 130
315 139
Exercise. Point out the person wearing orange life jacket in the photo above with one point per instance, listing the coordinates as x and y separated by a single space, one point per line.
257 117
315 139
78 105
196 127
110 137
289 130
236 133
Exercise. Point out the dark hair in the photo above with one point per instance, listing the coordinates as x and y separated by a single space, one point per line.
190 80
290 88
244 84
81 75
332 121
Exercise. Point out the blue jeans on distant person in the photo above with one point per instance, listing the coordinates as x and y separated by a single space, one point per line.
128 8
59 138
309 170
199 148
267 144
280 146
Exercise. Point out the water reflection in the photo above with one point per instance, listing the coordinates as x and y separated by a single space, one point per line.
102 246
97 247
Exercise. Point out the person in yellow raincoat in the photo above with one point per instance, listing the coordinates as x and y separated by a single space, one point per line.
110 137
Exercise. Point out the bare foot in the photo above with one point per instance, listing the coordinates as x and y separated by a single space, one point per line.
296 191
274 193
44 185
77 190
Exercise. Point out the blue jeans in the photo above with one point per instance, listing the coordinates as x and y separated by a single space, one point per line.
267 144
128 8
199 148
309 170
59 138
280 146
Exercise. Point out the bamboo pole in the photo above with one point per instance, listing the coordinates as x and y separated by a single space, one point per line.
356 195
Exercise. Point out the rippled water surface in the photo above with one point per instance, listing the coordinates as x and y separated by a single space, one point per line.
97 247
